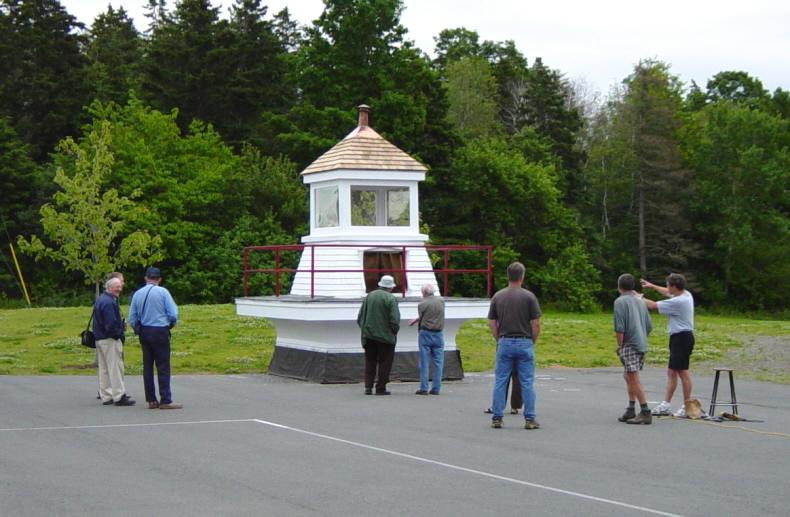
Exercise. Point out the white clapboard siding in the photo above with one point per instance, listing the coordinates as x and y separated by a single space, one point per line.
349 284
340 285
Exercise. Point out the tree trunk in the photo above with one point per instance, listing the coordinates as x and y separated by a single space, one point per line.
641 211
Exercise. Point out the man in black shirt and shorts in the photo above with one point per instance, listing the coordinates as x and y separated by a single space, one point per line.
679 308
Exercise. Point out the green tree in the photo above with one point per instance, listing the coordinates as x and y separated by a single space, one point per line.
738 87
355 53
223 72
741 205
42 87
20 183
205 201
651 108
114 52
454 45
515 205
87 224
639 181
471 93
182 68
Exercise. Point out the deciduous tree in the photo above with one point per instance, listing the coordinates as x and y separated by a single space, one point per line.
88 224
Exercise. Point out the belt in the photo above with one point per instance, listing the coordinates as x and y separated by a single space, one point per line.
431 330
522 336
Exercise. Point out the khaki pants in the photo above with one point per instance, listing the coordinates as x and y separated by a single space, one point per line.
109 353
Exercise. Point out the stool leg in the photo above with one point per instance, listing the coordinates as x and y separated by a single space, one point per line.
732 395
713 395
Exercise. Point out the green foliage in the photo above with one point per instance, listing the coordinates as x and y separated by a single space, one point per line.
355 53
741 157
222 72
471 93
515 205
639 178
42 87
88 224
114 52
206 202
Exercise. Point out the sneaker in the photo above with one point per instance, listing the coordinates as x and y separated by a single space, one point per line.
125 401
108 402
153 405
433 392
643 418
421 392
662 409
680 413
628 415
496 423
531 424
514 411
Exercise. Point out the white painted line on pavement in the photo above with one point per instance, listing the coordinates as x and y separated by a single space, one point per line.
468 470
107 426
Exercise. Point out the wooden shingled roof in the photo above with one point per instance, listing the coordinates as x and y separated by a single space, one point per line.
364 149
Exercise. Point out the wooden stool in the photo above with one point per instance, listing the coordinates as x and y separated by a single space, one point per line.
732 401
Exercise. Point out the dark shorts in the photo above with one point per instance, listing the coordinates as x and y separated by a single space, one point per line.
633 360
680 347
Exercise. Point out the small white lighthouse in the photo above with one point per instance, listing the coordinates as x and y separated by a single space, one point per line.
364 222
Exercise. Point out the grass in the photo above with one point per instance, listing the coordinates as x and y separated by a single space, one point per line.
212 339
208 339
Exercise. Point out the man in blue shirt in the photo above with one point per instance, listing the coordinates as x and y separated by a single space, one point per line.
108 327
152 314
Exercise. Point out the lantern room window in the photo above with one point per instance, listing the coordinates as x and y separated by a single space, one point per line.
379 206
326 207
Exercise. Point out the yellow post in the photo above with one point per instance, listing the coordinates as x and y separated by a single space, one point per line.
19 272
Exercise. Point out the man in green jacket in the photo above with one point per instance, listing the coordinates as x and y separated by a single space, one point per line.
379 319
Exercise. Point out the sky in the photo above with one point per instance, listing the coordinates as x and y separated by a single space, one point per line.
595 42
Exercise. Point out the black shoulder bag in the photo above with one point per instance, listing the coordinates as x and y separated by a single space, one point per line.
87 338
138 325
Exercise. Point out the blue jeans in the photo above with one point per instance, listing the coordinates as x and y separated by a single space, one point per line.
431 350
514 353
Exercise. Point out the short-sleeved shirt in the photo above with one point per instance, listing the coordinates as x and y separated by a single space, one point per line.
632 320
431 313
680 312
514 308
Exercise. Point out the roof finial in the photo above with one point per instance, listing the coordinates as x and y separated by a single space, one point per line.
364 109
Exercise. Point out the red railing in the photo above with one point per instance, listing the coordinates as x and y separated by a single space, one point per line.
445 271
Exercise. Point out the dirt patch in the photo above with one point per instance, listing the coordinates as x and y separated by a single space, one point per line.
762 358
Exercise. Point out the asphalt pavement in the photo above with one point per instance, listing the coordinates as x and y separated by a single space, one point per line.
263 445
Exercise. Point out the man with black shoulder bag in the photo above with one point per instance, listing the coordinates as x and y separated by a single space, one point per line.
108 329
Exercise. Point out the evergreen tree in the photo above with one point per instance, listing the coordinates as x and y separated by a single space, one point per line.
355 53
182 68
114 52
650 109
42 88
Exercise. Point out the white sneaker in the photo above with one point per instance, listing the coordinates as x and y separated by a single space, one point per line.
662 409
681 413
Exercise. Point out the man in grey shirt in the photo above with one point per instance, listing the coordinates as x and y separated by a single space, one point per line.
430 315
631 327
